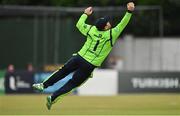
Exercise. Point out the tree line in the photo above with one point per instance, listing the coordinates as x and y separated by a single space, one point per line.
170 8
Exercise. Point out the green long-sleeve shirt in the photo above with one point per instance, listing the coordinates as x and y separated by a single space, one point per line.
99 43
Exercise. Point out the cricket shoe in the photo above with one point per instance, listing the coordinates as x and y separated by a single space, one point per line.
39 87
49 103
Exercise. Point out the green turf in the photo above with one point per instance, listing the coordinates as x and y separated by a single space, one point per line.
162 104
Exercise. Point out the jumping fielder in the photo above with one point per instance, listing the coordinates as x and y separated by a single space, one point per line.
100 39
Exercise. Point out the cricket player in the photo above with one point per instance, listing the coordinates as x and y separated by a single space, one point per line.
100 39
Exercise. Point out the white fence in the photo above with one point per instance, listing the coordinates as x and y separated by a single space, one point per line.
152 54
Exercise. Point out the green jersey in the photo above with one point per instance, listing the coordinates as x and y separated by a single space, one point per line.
99 43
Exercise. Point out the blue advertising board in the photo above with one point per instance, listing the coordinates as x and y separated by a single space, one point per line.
41 76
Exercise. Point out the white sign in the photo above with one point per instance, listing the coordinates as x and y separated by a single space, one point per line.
104 82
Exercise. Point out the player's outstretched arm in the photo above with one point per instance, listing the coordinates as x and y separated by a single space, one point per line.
81 25
116 31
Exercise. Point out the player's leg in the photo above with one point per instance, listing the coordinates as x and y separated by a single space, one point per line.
69 67
79 77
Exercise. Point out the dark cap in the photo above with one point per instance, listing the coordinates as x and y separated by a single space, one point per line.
101 22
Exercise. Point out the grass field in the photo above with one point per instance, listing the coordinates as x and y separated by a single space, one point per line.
161 104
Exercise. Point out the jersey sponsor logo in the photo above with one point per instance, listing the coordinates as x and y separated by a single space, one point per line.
98 36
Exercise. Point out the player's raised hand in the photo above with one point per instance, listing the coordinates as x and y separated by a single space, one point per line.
88 11
131 6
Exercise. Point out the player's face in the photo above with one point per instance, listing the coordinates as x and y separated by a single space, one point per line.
108 26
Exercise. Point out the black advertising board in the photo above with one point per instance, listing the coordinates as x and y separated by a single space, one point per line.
149 82
19 82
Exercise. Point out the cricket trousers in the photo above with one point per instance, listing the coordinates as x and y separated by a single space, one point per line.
82 70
